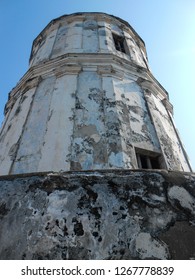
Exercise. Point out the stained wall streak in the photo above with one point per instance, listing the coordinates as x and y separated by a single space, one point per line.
31 142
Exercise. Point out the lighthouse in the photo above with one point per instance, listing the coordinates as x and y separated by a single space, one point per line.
91 163
89 101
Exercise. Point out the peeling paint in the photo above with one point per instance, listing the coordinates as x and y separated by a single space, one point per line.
86 105
185 200
106 214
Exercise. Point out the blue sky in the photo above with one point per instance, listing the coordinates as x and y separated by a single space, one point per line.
166 26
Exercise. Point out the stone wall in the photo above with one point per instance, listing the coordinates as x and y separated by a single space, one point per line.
119 214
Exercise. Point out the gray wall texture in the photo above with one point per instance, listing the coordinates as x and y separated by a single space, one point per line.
105 214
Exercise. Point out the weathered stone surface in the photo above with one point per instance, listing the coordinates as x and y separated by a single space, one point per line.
121 214
86 104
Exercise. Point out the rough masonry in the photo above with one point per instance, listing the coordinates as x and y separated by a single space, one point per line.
106 214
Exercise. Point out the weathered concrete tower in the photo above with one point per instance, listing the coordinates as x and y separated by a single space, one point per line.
94 129
89 101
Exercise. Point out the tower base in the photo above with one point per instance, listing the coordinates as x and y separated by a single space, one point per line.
109 214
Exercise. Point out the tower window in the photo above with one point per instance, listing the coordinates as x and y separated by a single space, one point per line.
148 160
120 43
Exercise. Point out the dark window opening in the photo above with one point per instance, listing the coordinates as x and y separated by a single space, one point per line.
148 160
119 43
155 163
143 160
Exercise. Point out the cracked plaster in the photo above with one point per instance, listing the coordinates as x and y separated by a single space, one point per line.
97 215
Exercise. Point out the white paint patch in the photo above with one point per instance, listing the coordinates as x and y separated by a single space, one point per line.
150 248
183 197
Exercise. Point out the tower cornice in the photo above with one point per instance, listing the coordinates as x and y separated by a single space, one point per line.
72 64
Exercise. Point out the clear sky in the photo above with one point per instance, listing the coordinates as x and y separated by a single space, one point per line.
166 26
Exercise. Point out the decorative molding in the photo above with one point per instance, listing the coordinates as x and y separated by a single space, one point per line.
90 68
152 86
105 64
29 84
168 105
109 70
71 69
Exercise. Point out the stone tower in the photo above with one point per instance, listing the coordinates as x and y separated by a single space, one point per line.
89 101
91 164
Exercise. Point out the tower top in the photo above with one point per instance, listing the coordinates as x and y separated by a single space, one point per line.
98 16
